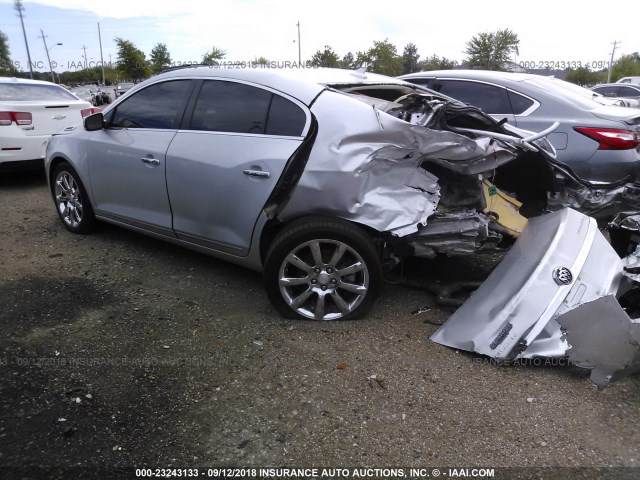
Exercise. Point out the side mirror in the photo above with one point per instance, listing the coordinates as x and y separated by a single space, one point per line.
94 122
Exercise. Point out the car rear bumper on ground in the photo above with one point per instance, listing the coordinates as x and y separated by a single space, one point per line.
547 297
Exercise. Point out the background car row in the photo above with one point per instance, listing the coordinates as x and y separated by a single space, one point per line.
30 112
600 142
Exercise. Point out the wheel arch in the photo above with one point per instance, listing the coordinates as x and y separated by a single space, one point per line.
274 226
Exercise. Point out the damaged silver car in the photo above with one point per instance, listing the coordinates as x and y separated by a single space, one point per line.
323 179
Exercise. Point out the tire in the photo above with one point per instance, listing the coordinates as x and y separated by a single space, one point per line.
332 270
71 200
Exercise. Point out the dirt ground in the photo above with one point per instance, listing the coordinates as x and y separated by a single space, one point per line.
119 350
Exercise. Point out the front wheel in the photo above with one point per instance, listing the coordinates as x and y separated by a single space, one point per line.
322 269
71 200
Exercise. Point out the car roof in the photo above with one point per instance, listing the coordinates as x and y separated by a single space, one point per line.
475 74
25 80
302 83
632 85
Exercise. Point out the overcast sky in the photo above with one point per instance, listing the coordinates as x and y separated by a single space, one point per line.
247 29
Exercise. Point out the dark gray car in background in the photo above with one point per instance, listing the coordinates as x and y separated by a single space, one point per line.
599 142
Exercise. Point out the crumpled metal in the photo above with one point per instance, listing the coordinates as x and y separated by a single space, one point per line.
367 167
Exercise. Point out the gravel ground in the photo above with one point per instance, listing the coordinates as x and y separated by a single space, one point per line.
119 350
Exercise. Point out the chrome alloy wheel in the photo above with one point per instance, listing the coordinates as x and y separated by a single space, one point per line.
68 199
323 279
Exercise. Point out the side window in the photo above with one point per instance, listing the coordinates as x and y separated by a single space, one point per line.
285 118
489 98
231 107
628 92
519 103
607 91
157 106
428 82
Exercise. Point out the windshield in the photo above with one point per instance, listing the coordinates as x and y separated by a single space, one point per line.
30 92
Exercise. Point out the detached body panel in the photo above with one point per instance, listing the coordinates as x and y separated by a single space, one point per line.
544 298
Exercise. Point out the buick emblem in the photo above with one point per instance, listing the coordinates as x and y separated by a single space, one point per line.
562 276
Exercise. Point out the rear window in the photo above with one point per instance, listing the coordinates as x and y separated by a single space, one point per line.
491 99
519 103
28 92
579 96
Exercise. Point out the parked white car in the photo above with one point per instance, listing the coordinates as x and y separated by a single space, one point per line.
30 112
635 80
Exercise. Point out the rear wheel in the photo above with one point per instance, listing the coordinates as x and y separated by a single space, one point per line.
323 269
72 202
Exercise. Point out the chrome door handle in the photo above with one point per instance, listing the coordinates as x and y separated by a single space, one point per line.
151 161
257 173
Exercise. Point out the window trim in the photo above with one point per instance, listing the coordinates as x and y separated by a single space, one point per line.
527 112
192 101
531 109
179 112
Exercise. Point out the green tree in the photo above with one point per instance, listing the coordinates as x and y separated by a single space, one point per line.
325 58
212 56
361 59
490 50
626 66
348 61
90 76
261 61
436 63
132 63
6 65
410 59
159 58
384 58
583 76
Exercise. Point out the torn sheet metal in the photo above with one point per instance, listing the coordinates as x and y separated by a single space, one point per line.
603 337
601 201
460 233
367 167
559 266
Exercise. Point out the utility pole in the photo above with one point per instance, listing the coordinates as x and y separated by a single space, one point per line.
43 37
299 55
101 59
18 6
85 56
615 45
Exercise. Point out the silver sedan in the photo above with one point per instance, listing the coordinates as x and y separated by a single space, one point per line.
323 179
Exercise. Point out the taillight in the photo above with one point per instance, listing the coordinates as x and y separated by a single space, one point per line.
611 138
88 111
21 118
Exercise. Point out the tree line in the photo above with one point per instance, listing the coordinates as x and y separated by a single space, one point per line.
486 51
